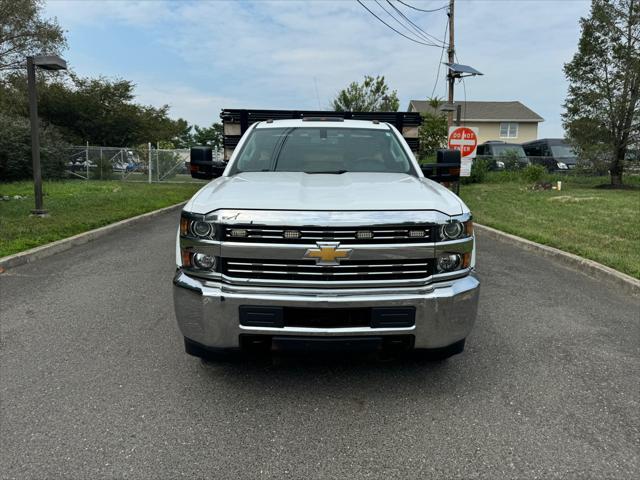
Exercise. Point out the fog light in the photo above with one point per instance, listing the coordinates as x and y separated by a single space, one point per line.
364 235
453 230
201 229
449 262
204 262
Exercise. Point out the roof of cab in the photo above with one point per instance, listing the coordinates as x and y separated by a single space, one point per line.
329 123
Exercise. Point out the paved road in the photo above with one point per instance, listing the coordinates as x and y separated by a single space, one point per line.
94 382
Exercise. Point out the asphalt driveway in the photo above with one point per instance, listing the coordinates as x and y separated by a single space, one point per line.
94 382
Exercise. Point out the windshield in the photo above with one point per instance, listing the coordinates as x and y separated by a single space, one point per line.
562 151
322 150
509 150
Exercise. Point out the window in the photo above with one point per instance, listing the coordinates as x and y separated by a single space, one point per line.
508 130
322 150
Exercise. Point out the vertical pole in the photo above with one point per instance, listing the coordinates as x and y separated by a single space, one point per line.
86 159
101 163
451 53
149 160
35 138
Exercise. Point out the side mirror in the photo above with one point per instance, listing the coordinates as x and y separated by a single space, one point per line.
446 169
202 165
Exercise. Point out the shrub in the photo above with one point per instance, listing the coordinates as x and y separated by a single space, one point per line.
533 173
479 170
511 161
15 150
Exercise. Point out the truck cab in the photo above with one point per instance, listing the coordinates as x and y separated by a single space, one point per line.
323 233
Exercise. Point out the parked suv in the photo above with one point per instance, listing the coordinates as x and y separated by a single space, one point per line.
554 153
498 151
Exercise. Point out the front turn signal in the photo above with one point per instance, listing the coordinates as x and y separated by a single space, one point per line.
186 258
466 260
184 226
468 228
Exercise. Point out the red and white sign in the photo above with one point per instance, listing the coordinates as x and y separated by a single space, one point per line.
464 139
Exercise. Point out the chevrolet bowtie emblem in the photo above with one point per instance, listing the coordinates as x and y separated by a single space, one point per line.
328 253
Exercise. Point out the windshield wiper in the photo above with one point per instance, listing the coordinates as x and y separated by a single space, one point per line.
329 172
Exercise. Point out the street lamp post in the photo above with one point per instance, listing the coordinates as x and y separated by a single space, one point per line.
46 62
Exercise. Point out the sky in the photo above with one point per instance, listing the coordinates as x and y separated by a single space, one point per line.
201 56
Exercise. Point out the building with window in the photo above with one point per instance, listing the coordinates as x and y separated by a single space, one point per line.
507 121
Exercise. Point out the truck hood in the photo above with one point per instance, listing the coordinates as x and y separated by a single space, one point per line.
325 192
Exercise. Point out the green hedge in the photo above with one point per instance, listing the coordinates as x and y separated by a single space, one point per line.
15 150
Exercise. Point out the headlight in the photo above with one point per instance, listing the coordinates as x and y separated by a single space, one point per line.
197 228
456 229
204 262
452 230
449 262
562 166
201 229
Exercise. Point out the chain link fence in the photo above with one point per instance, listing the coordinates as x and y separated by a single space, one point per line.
143 164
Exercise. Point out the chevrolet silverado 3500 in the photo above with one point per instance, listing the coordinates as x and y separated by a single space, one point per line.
324 232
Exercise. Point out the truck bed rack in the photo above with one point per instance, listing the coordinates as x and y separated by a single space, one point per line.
237 121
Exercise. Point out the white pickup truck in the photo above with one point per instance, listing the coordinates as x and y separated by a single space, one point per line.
323 233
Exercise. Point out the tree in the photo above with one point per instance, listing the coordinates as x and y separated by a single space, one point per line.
433 131
210 136
15 150
183 137
24 32
369 96
602 116
95 110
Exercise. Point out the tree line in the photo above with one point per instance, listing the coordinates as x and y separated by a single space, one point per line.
72 109
601 117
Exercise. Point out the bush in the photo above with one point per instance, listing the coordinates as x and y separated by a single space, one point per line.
479 170
533 173
15 150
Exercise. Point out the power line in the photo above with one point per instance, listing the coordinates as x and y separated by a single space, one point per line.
444 46
389 26
402 24
421 9
420 31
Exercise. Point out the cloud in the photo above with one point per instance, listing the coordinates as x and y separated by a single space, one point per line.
274 53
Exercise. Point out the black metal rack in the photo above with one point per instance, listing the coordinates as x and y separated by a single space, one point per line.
237 121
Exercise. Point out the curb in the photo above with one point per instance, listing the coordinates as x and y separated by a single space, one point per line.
589 267
58 246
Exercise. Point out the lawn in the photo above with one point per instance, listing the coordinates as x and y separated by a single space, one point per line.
600 224
76 206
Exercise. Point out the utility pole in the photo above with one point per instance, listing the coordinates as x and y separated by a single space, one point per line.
451 52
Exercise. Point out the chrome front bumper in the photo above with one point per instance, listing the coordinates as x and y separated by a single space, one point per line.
208 312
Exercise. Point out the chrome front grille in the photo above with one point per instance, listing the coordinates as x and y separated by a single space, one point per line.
307 270
357 235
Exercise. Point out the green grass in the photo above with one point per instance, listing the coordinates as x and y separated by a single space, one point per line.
76 206
600 224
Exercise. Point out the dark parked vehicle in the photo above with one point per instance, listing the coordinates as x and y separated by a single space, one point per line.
499 152
554 153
